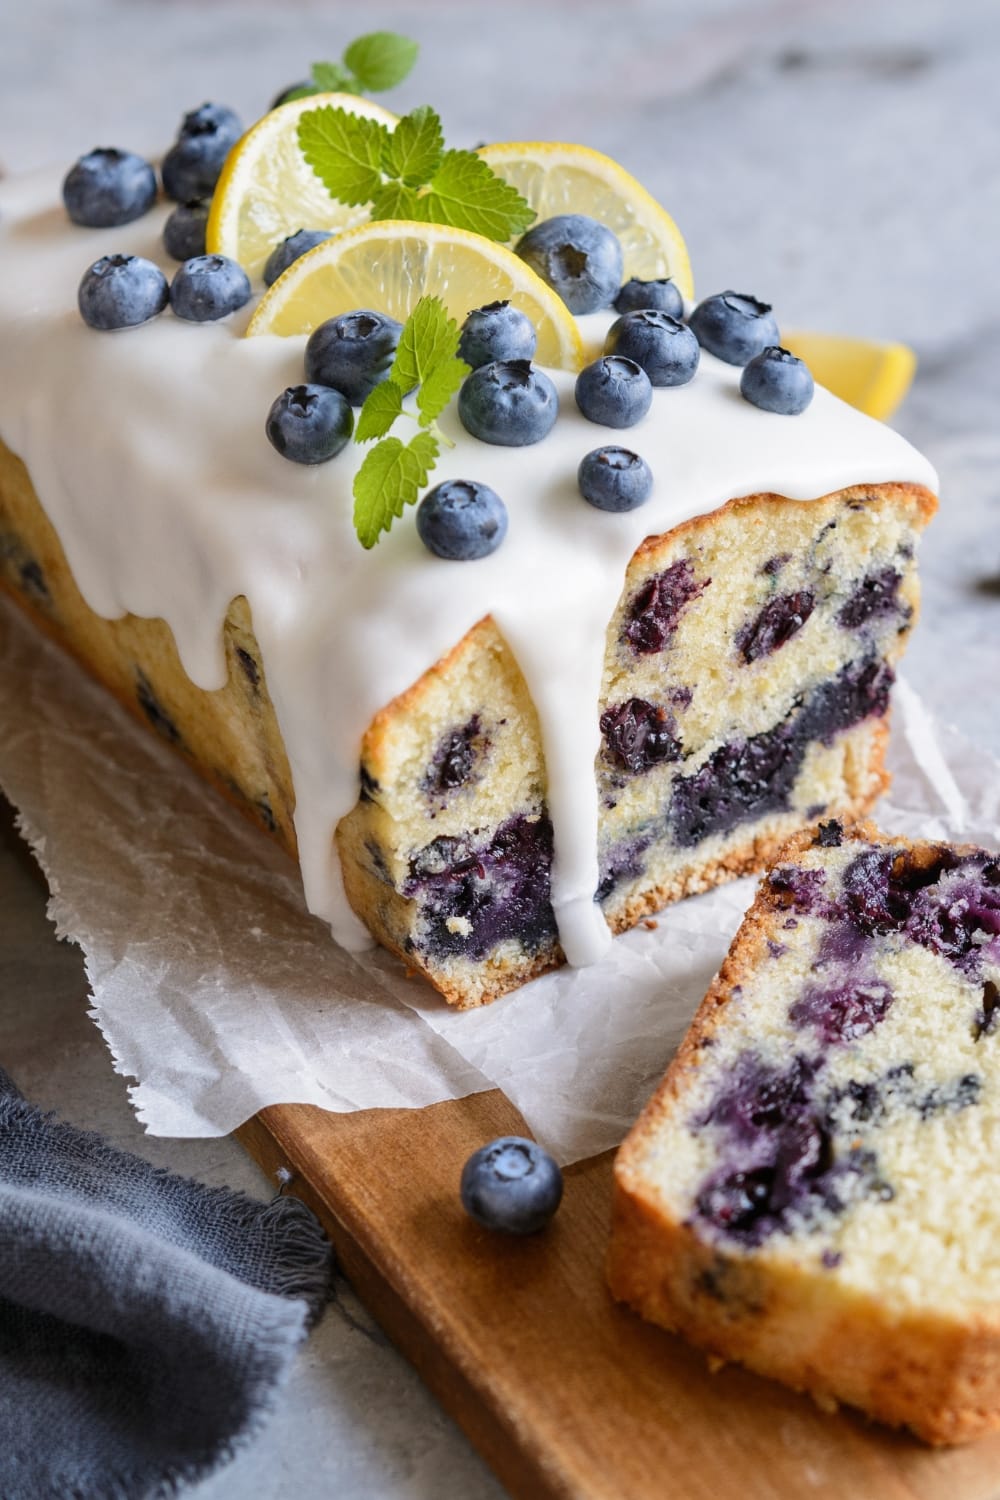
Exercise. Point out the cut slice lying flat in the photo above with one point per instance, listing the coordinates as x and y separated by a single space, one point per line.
267 190
560 178
390 264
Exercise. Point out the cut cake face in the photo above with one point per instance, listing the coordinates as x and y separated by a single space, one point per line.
813 1189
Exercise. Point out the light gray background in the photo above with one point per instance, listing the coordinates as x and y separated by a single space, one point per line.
840 159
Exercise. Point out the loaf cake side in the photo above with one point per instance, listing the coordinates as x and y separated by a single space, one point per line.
810 1191
745 689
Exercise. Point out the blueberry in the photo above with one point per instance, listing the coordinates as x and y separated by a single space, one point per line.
508 403
511 1185
666 349
776 381
121 291
578 257
353 352
283 255
461 519
309 423
614 479
496 331
108 187
192 165
662 295
734 326
184 231
208 287
613 391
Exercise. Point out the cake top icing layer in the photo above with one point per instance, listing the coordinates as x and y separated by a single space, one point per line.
147 450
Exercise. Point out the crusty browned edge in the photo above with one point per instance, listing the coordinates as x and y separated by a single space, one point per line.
938 1375
744 858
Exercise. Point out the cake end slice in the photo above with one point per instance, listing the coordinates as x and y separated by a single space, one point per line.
813 1190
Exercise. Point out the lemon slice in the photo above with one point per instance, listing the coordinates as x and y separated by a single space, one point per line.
563 179
267 190
388 265
873 377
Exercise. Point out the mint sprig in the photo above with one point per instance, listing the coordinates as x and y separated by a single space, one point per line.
406 173
393 472
370 65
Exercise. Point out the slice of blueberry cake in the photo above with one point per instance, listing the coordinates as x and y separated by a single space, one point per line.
813 1189
746 686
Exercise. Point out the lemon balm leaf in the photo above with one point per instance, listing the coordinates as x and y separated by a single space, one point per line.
391 477
438 388
414 149
344 151
380 59
381 408
465 193
429 338
395 201
331 78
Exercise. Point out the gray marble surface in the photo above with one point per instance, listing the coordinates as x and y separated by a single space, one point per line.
841 159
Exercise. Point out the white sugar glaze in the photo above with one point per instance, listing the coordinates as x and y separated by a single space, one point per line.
147 450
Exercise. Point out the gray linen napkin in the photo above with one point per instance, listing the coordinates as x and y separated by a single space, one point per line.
146 1322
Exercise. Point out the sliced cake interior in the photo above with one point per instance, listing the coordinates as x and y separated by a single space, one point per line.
815 1188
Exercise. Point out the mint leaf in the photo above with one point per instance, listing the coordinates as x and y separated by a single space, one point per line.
380 59
438 388
394 201
414 149
467 194
429 337
391 476
381 408
331 78
344 151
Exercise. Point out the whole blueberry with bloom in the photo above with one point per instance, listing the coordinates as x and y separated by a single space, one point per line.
509 403
121 291
512 1185
578 257
108 187
461 520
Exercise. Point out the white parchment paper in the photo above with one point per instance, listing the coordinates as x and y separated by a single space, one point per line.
219 994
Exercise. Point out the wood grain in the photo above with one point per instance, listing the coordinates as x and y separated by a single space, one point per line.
564 1393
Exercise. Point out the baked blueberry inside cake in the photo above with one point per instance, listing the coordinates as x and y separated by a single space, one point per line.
812 1191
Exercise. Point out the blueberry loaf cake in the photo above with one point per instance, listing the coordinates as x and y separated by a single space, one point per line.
486 764
812 1190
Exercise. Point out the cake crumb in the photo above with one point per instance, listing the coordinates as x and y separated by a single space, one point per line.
651 923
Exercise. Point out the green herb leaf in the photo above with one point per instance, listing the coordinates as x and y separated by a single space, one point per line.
381 408
429 338
380 59
438 388
394 201
331 78
466 193
414 149
344 151
391 476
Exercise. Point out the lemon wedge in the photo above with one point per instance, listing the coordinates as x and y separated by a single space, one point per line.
871 376
557 178
267 190
389 264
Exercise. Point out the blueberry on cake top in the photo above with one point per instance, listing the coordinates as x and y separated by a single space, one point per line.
812 1191
494 722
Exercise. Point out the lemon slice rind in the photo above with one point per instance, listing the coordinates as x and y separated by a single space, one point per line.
389 264
267 190
558 177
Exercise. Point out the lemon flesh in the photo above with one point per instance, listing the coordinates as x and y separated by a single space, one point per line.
388 265
267 190
873 377
559 178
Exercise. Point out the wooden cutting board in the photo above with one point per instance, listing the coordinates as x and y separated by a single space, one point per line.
564 1393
